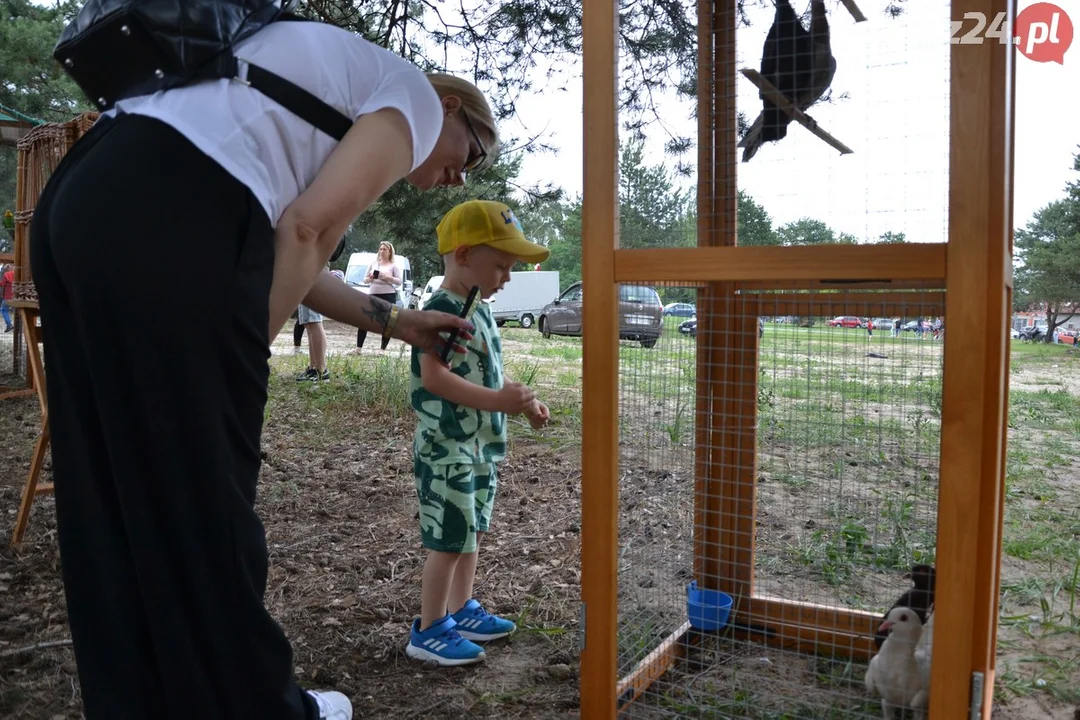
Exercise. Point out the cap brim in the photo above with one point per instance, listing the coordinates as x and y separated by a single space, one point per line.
523 250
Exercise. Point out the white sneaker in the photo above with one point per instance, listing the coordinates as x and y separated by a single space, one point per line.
332 705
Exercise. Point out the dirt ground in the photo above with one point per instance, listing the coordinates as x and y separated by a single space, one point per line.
345 564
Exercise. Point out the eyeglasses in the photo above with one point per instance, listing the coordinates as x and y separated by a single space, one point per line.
476 159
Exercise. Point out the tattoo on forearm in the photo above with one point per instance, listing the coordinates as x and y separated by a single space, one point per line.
379 311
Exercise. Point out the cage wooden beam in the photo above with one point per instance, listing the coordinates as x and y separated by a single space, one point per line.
973 418
807 627
838 284
895 263
600 362
652 666
724 482
893 304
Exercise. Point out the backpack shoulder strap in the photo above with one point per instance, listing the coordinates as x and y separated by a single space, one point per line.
296 99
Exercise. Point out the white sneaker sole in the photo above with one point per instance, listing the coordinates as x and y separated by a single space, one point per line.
482 638
419 653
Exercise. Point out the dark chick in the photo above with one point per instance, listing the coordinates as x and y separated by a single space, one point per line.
798 63
919 598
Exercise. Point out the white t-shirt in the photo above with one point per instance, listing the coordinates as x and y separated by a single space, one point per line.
265 146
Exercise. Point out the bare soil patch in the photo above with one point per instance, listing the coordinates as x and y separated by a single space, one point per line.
337 500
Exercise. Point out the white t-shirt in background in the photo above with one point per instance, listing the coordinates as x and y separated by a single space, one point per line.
265 146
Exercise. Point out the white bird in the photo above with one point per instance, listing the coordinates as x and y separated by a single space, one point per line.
924 649
894 673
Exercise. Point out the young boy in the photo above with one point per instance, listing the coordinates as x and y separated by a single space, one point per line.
461 432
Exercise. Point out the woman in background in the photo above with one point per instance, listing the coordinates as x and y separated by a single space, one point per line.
383 278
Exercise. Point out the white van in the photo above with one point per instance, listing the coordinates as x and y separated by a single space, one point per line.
524 296
361 261
520 300
432 285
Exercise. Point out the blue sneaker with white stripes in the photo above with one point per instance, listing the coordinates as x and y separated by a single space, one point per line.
442 644
476 623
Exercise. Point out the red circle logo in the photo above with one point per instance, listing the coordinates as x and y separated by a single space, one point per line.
1043 33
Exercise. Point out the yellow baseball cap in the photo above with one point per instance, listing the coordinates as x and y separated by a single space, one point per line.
486 222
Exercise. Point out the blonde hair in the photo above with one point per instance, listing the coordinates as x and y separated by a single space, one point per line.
389 246
474 103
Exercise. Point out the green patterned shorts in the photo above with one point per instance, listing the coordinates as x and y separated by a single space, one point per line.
455 503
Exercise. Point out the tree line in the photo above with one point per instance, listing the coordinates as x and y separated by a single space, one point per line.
505 41
1046 265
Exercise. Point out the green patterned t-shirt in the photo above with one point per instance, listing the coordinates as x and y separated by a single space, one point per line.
450 433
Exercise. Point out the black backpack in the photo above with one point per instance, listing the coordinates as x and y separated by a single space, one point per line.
116 49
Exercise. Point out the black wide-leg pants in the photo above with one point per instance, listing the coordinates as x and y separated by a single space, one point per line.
154 267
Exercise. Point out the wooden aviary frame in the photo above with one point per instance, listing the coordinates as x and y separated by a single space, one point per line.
970 276
39 152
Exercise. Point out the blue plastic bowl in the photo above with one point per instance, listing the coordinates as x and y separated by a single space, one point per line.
708 609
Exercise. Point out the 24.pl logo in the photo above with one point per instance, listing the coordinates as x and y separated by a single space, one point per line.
1043 32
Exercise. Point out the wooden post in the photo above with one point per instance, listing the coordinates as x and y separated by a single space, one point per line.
28 317
724 507
600 363
976 369
705 564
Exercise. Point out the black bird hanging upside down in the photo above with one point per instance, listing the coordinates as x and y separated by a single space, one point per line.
798 63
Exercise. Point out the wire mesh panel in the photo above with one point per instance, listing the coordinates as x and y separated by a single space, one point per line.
657 400
778 460
809 516
885 103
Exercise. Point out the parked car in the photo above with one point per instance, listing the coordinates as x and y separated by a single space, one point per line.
847 321
433 284
640 314
689 327
1034 333
680 310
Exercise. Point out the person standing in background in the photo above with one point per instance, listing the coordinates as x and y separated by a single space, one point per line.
313 321
383 278
7 288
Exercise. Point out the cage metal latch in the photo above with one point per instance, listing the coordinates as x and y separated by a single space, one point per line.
581 627
976 695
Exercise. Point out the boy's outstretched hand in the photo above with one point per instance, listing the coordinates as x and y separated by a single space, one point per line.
516 398
538 415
